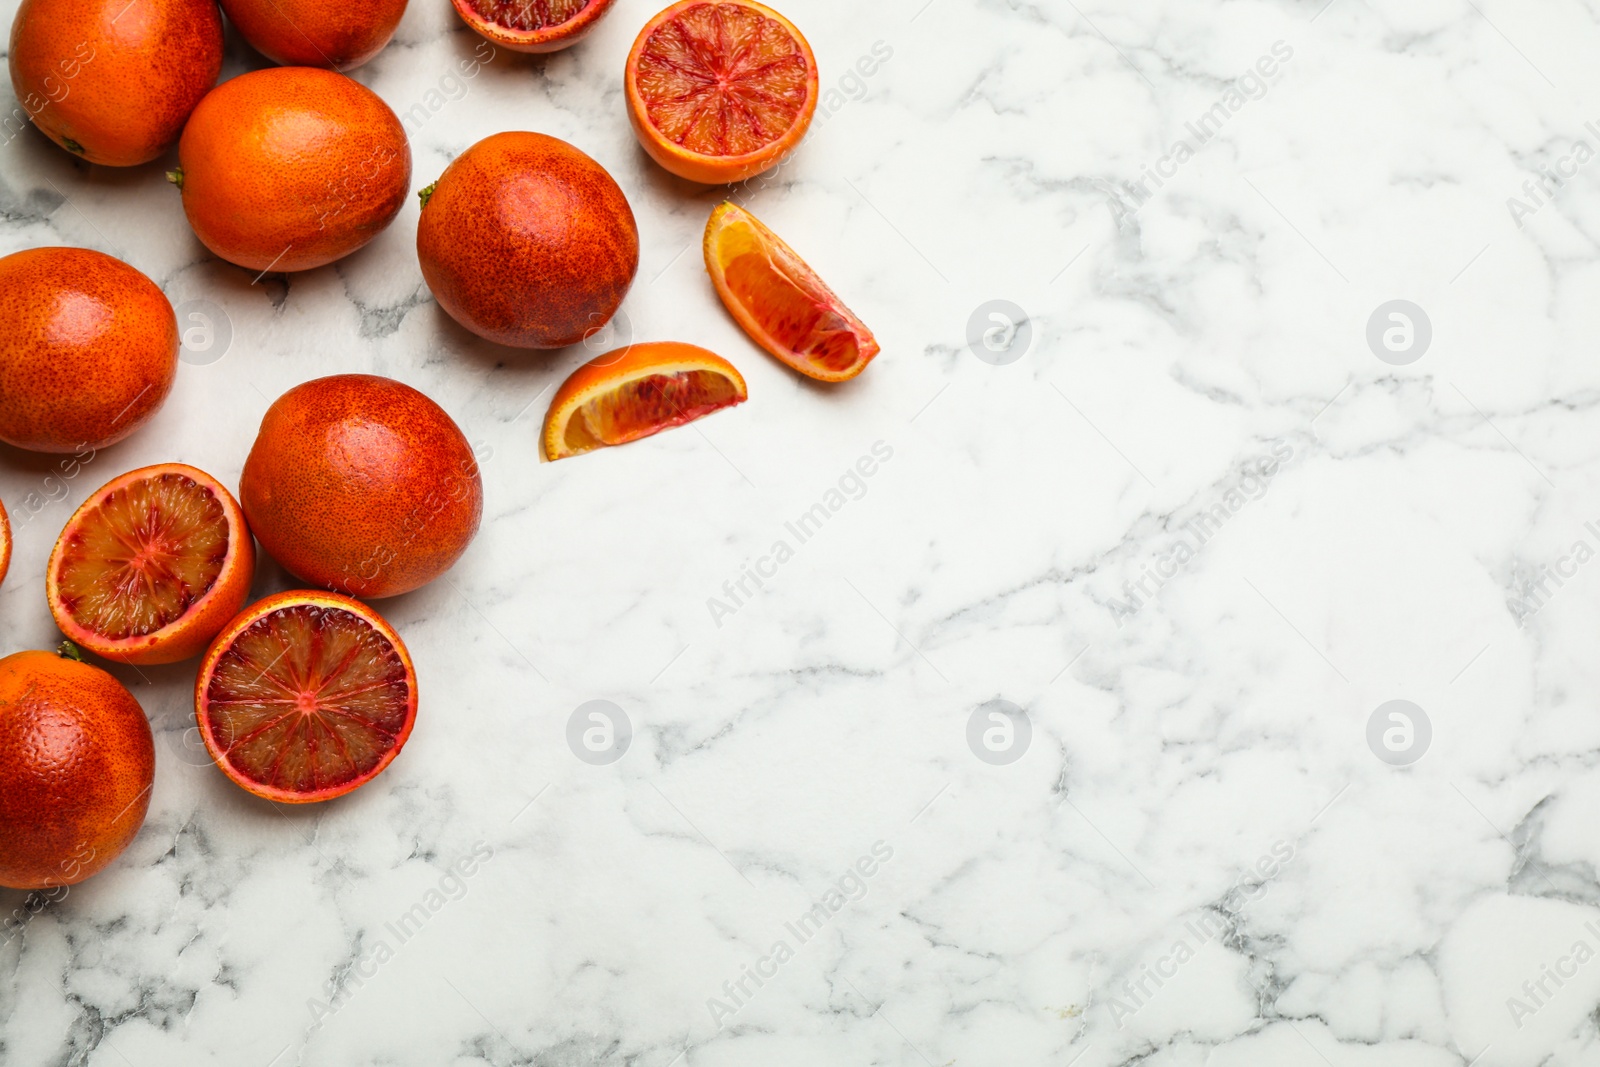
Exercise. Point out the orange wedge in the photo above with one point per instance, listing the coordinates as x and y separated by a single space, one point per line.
637 391
780 302
5 543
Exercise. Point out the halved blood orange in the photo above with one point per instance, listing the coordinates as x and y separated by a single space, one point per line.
720 90
152 565
305 696
637 391
780 302
5 542
532 25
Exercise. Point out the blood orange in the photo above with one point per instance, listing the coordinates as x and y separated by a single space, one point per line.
151 566
635 392
5 542
305 697
88 349
780 302
316 33
76 767
720 90
533 25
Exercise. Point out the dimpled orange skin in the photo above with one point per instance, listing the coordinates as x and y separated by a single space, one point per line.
110 81
361 485
316 33
528 242
291 168
88 349
76 766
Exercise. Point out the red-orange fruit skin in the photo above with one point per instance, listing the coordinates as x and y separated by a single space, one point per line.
552 40
316 33
291 168
528 242
114 79
247 618
88 349
362 485
194 631
76 766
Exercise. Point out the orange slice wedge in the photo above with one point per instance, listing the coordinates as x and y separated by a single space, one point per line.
720 90
780 302
5 543
152 566
637 391
305 696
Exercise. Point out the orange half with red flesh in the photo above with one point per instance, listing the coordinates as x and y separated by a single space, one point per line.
637 391
780 302
720 90
152 565
305 696
532 25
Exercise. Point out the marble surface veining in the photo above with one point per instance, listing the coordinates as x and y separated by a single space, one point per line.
1024 702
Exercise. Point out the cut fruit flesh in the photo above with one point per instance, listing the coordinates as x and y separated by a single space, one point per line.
528 14
781 302
151 566
5 543
635 392
723 79
143 557
306 697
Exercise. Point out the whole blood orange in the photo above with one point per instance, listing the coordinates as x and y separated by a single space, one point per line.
533 25
291 168
635 392
720 90
88 349
528 242
780 302
151 566
361 484
76 767
316 33
305 697
114 81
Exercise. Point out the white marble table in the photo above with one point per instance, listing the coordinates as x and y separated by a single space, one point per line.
1190 522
